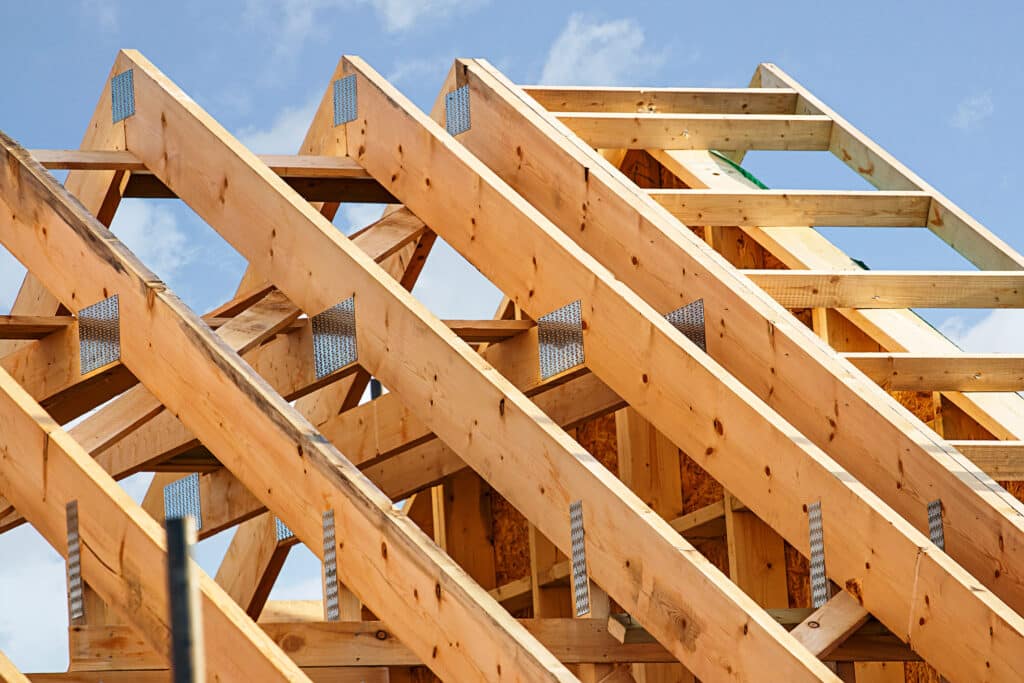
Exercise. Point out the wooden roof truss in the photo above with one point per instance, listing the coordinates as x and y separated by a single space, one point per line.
605 218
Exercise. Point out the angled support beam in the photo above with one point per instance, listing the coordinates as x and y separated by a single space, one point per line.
389 317
42 470
760 343
252 563
240 418
9 673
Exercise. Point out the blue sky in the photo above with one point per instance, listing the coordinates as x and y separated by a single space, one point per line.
938 84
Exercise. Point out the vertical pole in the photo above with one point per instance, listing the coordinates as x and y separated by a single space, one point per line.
187 656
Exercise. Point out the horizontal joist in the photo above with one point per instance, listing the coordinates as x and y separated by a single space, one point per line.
665 100
797 207
947 372
700 131
317 178
32 326
1002 460
371 643
892 289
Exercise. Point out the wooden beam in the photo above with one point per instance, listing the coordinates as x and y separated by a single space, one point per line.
252 563
315 674
373 643
240 419
700 131
42 470
892 289
827 627
1002 460
796 207
665 100
946 372
758 341
9 673
388 315
32 326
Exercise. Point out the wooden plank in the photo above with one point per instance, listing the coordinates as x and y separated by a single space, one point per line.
832 623
700 131
759 342
252 563
315 674
388 314
796 207
488 331
1002 460
948 372
373 643
42 469
868 159
32 326
286 165
892 289
245 423
9 673
665 100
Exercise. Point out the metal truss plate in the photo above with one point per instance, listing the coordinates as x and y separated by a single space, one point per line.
690 321
345 103
282 531
331 590
935 530
76 590
456 111
99 335
580 581
334 338
560 340
122 95
819 580
181 498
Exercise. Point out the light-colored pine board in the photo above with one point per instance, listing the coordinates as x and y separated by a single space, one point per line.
948 372
627 100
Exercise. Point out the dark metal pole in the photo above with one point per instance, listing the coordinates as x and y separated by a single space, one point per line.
187 656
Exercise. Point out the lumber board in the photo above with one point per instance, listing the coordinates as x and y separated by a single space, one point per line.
797 207
828 626
625 100
700 131
372 643
315 674
760 342
32 326
244 422
949 372
892 289
42 469
1002 460
242 214
9 673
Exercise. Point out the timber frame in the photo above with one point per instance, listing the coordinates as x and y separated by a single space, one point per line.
686 393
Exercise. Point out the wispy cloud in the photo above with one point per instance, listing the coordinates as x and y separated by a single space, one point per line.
592 52
106 14
1001 331
285 133
972 110
153 234
420 69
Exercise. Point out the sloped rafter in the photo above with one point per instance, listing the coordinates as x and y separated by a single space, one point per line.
165 119
304 476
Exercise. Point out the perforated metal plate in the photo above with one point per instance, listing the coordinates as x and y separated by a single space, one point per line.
935 530
181 498
122 96
334 338
580 582
690 321
99 335
819 580
76 595
456 111
560 340
345 102
331 603
281 530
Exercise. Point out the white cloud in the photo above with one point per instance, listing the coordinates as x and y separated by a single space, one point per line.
419 69
1001 331
152 233
105 13
590 52
285 134
972 110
